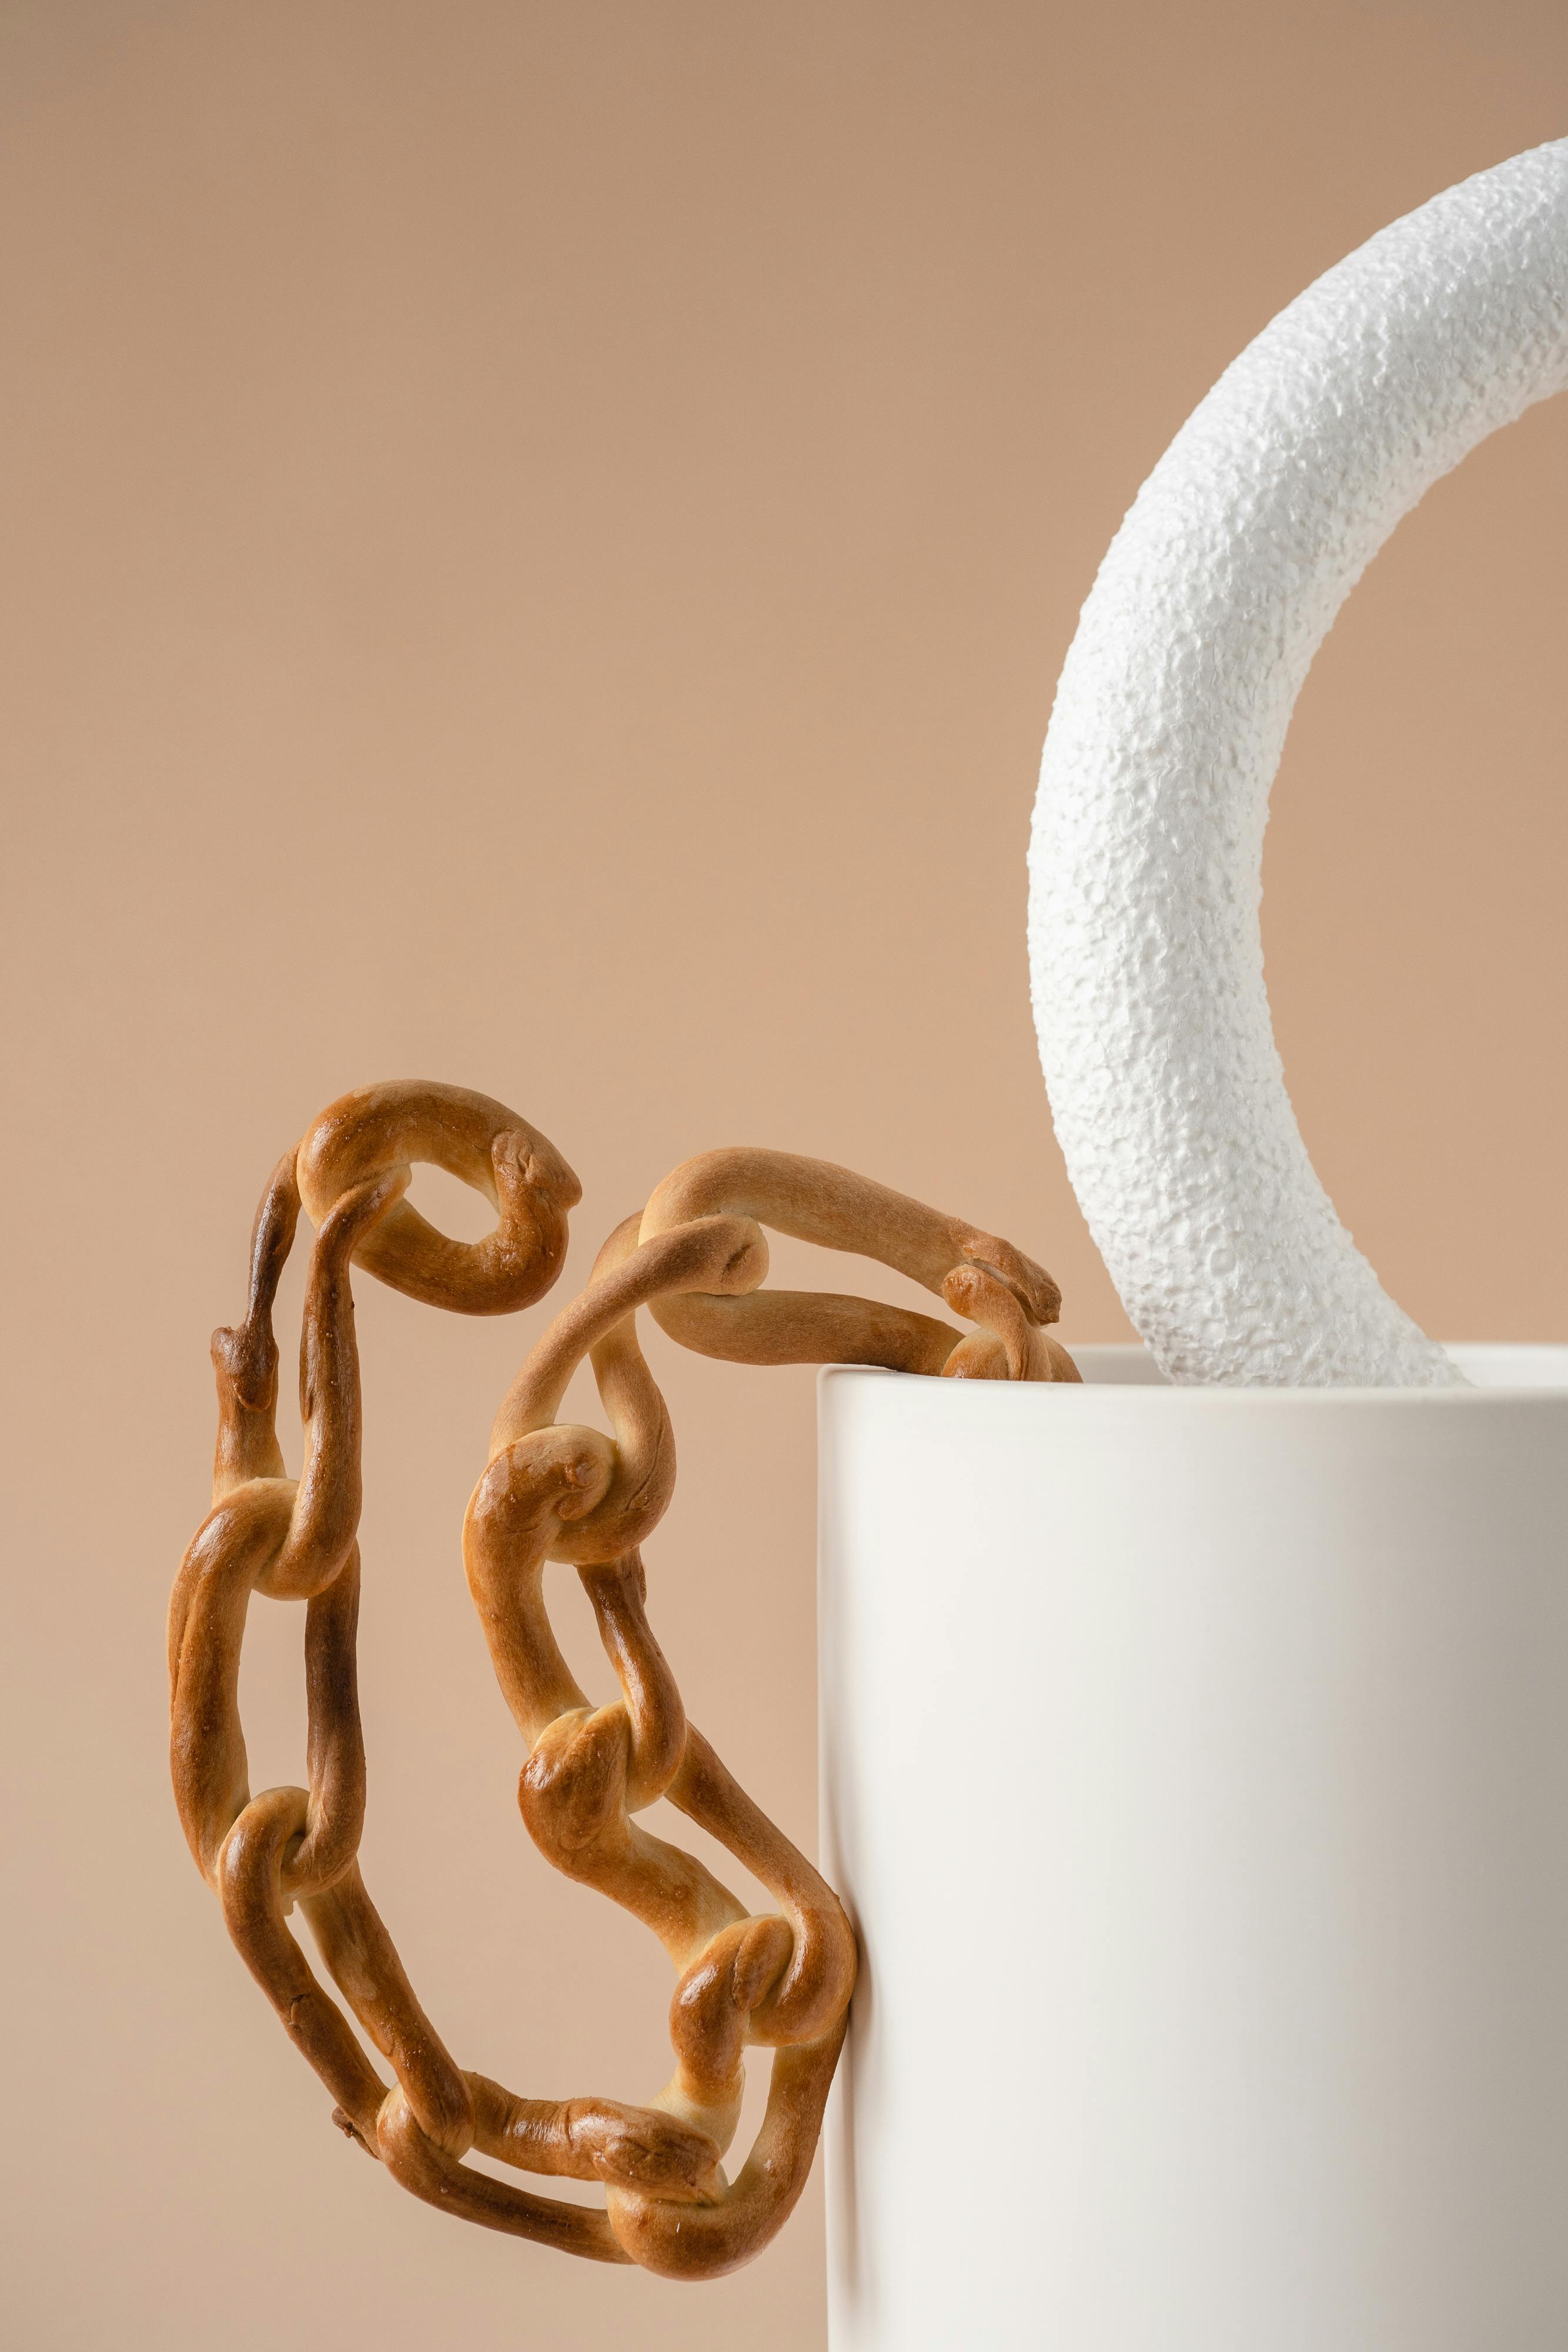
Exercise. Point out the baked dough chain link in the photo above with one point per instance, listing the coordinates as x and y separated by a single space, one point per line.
482 1143
816 1202
780 1979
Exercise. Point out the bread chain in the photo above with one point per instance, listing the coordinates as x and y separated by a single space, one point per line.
695 1259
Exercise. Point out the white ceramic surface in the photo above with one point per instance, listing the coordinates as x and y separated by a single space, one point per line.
1195 1763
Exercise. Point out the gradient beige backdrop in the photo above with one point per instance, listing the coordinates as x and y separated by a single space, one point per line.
538 542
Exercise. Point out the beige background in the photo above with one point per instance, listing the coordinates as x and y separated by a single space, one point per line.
538 540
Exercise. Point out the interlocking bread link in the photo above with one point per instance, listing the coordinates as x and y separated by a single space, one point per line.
982 1278
779 1979
381 1130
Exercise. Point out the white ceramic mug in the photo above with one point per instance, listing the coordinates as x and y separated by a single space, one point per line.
1195 1765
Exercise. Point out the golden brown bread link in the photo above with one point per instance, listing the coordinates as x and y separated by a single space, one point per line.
817 1202
384 1128
781 1980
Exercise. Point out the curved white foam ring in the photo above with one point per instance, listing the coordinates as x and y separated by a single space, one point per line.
1145 865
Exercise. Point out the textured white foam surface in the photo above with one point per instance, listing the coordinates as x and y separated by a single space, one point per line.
1145 865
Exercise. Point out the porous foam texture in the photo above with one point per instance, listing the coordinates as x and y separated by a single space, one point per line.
1145 866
